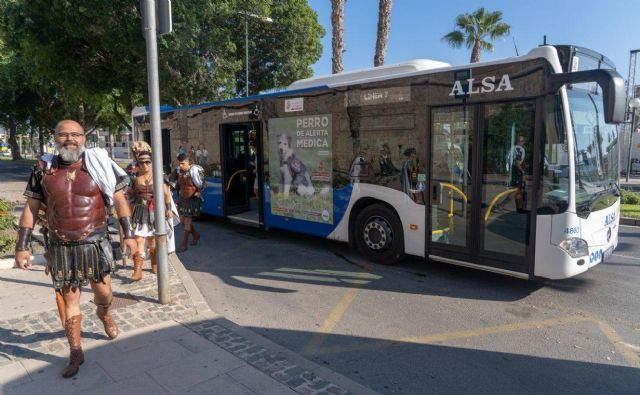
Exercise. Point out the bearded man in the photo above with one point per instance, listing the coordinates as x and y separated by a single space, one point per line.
77 188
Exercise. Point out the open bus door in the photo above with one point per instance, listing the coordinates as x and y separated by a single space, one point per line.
241 160
481 210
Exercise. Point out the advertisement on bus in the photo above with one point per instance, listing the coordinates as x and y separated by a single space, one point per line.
301 167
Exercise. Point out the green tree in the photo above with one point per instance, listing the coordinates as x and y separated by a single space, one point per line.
87 57
283 51
473 29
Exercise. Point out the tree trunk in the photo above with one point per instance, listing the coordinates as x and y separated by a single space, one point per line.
384 25
13 142
475 52
337 41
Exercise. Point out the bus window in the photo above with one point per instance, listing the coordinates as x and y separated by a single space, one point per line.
554 191
506 180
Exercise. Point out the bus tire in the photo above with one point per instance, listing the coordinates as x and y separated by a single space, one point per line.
378 235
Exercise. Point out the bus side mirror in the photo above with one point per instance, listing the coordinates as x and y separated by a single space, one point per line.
612 84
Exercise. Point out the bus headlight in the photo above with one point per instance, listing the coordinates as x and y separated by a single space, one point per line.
575 247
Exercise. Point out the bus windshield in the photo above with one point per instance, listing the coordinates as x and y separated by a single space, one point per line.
596 152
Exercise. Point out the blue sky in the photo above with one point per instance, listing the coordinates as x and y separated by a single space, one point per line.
610 27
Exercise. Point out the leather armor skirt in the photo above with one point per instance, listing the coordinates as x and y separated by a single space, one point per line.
142 215
74 263
189 207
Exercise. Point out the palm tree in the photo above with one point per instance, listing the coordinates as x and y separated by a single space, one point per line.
384 25
337 41
472 29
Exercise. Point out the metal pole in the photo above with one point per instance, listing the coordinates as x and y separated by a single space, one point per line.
633 118
246 53
156 143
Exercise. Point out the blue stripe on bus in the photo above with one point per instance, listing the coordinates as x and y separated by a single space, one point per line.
341 197
213 197
247 99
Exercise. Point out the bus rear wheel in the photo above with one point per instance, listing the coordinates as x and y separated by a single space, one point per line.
378 235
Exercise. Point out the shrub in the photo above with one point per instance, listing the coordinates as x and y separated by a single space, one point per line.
7 241
6 215
629 197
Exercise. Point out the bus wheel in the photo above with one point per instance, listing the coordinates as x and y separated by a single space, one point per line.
378 234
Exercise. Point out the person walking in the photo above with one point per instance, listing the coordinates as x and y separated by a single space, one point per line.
77 186
190 184
143 219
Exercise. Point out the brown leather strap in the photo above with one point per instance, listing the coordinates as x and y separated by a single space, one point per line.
127 230
24 238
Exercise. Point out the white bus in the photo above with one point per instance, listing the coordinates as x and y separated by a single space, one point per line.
509 166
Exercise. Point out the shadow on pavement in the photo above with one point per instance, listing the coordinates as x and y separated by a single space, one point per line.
173 359
234 253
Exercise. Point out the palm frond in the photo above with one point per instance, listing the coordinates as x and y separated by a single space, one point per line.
454 38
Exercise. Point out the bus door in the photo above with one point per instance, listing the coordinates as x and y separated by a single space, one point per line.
481 190
240 159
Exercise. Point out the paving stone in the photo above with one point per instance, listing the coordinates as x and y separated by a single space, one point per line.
220 385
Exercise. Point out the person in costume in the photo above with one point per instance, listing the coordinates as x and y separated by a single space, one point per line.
189 179
77 186
142 200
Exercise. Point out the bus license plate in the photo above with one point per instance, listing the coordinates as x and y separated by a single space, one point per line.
608 252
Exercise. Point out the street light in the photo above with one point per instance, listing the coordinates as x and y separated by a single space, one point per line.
634 104
246 43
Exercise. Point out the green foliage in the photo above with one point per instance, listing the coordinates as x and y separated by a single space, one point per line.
629 197
473 29
7 241
86 59
6 215
630 211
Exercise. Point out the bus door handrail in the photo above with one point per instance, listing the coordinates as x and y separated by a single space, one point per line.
487 214
231 178
455 189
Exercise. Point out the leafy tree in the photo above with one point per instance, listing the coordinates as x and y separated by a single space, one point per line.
88 62
283 51
337 40
384 25
473 29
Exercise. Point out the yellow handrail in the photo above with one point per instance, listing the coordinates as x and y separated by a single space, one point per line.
495 199
455 189
231 178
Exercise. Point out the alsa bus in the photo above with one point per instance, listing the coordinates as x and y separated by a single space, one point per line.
509 166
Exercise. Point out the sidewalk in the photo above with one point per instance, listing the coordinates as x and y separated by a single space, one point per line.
182 347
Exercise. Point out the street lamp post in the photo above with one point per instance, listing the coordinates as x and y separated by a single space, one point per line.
634 104
246 43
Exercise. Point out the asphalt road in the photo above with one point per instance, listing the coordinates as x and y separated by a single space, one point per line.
427 327
421 327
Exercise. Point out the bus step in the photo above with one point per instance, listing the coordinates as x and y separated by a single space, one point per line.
239 219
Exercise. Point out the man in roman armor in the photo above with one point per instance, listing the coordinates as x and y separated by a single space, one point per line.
77 187
190 184
143 219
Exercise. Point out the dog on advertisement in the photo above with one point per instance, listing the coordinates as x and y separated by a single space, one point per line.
293 173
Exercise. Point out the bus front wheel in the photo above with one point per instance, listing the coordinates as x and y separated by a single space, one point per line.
378 235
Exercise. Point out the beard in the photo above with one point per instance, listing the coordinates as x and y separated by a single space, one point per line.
70 152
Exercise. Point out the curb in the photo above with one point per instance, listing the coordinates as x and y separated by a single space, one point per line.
299 361
629 221
205 313
199 302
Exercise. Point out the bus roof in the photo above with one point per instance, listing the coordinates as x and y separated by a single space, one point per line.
398 70
380 72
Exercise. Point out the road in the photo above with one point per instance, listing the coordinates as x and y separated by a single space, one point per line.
427 327
421 327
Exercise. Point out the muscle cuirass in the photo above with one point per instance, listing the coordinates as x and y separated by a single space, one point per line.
142 192
186 186
75 206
